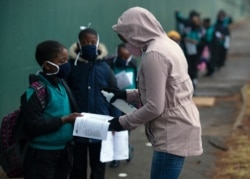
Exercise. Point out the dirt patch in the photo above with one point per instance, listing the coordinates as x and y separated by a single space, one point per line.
235 162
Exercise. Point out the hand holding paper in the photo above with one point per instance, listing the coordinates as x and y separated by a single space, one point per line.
92 126
115 125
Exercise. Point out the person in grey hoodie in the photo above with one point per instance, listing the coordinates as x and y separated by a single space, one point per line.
165 92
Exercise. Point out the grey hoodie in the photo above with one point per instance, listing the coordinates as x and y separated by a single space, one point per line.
164 87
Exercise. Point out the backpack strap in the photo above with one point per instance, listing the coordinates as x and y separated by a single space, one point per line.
40 91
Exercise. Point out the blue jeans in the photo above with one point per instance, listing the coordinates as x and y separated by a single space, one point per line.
166 166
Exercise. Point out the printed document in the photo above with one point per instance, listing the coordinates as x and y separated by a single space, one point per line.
93 126
123 79
115 147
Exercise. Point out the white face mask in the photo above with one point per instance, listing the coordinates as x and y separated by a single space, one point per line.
133 50
55 65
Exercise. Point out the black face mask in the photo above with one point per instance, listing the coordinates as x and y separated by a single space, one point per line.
89 52
64 70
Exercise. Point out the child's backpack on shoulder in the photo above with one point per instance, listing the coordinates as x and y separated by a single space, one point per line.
13 140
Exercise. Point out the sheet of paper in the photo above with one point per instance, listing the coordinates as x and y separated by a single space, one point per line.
130 77
227 42
191 48
119 103
93 126
115 147
122 80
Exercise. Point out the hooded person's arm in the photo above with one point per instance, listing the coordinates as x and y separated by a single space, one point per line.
155 74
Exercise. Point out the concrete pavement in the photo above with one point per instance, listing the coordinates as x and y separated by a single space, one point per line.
219 120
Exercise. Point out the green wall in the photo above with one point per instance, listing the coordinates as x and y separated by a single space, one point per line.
25 23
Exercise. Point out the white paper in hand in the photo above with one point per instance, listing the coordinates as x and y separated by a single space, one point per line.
92 126
119 103
115 147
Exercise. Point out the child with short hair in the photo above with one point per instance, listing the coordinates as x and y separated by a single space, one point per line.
89 74
50 128
175 36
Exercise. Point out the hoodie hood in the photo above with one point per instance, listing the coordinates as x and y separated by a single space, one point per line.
101 47
138 26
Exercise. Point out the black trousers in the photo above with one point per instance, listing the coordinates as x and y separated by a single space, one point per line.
222 56
211 65
82 152
47 164
193 61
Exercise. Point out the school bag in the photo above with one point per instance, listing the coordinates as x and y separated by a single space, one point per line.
13 140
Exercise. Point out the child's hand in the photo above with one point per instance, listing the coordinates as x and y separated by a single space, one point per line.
70 118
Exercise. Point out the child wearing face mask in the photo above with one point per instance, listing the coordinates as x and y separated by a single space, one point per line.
124 61
50 128
89 74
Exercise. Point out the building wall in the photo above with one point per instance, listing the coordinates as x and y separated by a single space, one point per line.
25 23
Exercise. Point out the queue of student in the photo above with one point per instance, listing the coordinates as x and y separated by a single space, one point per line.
205 44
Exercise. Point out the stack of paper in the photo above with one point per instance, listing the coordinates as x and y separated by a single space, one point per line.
95 126
115 147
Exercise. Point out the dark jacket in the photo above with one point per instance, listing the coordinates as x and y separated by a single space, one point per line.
86 81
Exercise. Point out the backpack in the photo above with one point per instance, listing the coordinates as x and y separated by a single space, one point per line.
13 142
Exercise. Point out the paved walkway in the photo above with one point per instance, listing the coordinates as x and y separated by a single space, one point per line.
218 120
